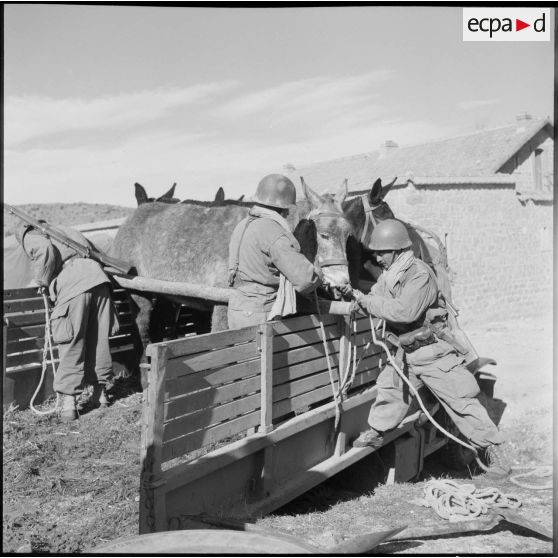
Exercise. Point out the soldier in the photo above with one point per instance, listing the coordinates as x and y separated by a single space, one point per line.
261 250
81 320
406 296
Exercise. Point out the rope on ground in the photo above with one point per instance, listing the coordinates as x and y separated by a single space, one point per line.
464 502
540 472
47 348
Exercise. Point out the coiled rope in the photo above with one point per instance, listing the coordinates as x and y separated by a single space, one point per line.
47 348
464 502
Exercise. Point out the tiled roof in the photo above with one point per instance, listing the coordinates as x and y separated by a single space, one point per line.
479 154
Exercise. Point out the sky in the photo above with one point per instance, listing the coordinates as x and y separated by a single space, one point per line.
97 98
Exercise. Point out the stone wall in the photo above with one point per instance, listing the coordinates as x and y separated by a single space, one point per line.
499 248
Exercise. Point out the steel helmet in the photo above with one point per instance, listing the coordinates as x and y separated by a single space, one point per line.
275 190
390 234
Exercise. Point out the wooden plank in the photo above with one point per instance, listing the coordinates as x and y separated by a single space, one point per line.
290 373
189 364
310 383
21 359
207 341
30 343
287 406
14 306
27 319
209 417
210 397
26 292
201 438
267 348
288 358
301 338
152 501
292 325
179 387
25 332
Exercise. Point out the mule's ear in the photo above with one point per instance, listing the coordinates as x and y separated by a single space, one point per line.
220 195
241 198
375 194
387 188
342 192
314 198
168 195
141 194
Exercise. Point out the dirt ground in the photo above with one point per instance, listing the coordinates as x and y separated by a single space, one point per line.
67 488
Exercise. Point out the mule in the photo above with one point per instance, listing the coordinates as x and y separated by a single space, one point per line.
188 242
364 212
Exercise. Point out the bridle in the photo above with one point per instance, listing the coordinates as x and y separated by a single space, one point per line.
368 216
315 215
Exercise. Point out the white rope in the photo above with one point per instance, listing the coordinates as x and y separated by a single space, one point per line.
464 502
47 347
381 344
541 472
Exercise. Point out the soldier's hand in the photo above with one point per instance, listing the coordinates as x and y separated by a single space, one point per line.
43 290
358 295
346 290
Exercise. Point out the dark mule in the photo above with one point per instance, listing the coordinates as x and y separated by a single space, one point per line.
188 242
364 212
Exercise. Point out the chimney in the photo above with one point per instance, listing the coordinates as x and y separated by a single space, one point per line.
523 120
387 147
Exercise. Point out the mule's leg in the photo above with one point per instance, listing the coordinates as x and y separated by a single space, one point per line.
219 320
141 307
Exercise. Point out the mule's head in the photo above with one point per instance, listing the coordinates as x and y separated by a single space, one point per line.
142 197
323 234
365 211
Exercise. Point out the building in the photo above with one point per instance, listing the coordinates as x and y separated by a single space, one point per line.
487 194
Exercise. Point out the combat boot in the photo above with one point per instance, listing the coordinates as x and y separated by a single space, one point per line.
97 398
498 464
68 410
369 438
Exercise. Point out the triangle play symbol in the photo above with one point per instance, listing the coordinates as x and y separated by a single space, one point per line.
519 25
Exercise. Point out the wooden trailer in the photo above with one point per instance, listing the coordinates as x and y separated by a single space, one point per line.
240 422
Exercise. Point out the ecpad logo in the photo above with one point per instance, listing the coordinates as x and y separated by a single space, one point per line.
506 24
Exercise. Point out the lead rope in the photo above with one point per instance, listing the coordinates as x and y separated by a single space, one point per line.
47 347
337 394
415 393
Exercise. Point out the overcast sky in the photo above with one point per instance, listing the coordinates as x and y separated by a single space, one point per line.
99 97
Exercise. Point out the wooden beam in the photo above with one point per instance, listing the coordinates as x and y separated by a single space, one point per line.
266 373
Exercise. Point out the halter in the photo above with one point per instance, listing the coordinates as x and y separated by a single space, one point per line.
368 216
315 215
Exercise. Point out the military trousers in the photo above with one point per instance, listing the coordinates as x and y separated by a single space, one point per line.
81 327
450 382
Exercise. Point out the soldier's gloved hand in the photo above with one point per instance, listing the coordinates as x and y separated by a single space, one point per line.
318 271
346 290
358 295
43 290
354 307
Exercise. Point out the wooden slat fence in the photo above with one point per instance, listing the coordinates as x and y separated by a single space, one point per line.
209 391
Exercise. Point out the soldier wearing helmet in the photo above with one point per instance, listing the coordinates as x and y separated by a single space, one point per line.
407 297
265 257
82 317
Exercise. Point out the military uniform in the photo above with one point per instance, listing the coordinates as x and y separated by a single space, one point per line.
403 296
263 250
82 317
